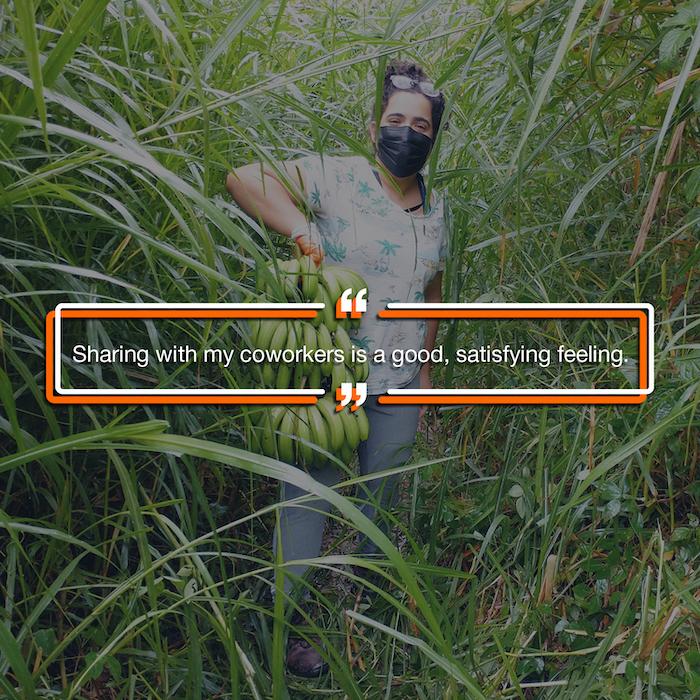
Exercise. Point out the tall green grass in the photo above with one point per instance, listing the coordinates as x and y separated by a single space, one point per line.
546 552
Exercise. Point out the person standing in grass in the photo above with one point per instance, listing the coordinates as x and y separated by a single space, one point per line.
374 217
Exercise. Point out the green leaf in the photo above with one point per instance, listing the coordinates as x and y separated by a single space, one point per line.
27 30
691 188
548 79
115 668
677 91
79 25
10 650
78 440
672 43
46 640
452 668
688 15
95 665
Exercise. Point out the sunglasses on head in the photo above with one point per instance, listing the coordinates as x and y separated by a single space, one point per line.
403 82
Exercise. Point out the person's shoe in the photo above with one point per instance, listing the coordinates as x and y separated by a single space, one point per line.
303 660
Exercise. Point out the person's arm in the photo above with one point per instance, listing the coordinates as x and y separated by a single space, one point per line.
258 191
433 294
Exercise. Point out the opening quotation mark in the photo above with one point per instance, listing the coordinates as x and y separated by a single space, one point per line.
354 306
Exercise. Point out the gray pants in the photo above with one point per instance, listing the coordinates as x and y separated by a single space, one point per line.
392 432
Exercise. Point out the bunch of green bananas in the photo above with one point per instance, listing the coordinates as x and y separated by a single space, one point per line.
290 433
310 435
301 280
276 335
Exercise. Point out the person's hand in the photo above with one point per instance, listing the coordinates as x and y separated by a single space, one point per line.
308 247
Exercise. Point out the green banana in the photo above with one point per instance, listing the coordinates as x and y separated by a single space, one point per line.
268 441
350 428
362 423
361 371
265 332
294 335
318 298
294 410
259 280
319 434
328 312
343 279
338 376
356 281
268 375
336 435
309 278
284 376
285 442
279 337
315 377
290 277
331 283
342 341
254 441
346 278
356 369
346 453
349 376
310 342
298 376
267 287
304 449
325 343
253 330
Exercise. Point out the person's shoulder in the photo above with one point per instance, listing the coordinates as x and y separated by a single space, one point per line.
344 170
319 167
349 163
331 161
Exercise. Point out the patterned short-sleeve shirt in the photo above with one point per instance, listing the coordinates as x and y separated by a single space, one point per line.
396 252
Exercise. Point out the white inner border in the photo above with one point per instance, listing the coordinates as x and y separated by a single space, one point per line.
537 392
58 389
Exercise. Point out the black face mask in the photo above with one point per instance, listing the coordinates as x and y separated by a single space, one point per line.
403 150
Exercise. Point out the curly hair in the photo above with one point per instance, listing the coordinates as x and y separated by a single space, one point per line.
415 72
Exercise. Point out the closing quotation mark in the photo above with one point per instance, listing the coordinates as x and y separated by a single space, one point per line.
346 393
346 304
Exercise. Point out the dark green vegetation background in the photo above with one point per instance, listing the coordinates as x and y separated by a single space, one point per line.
548 552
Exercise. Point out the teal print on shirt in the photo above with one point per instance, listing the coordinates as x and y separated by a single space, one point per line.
315 197
362 342
378 263
399 339
388 248
364 189
335 251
